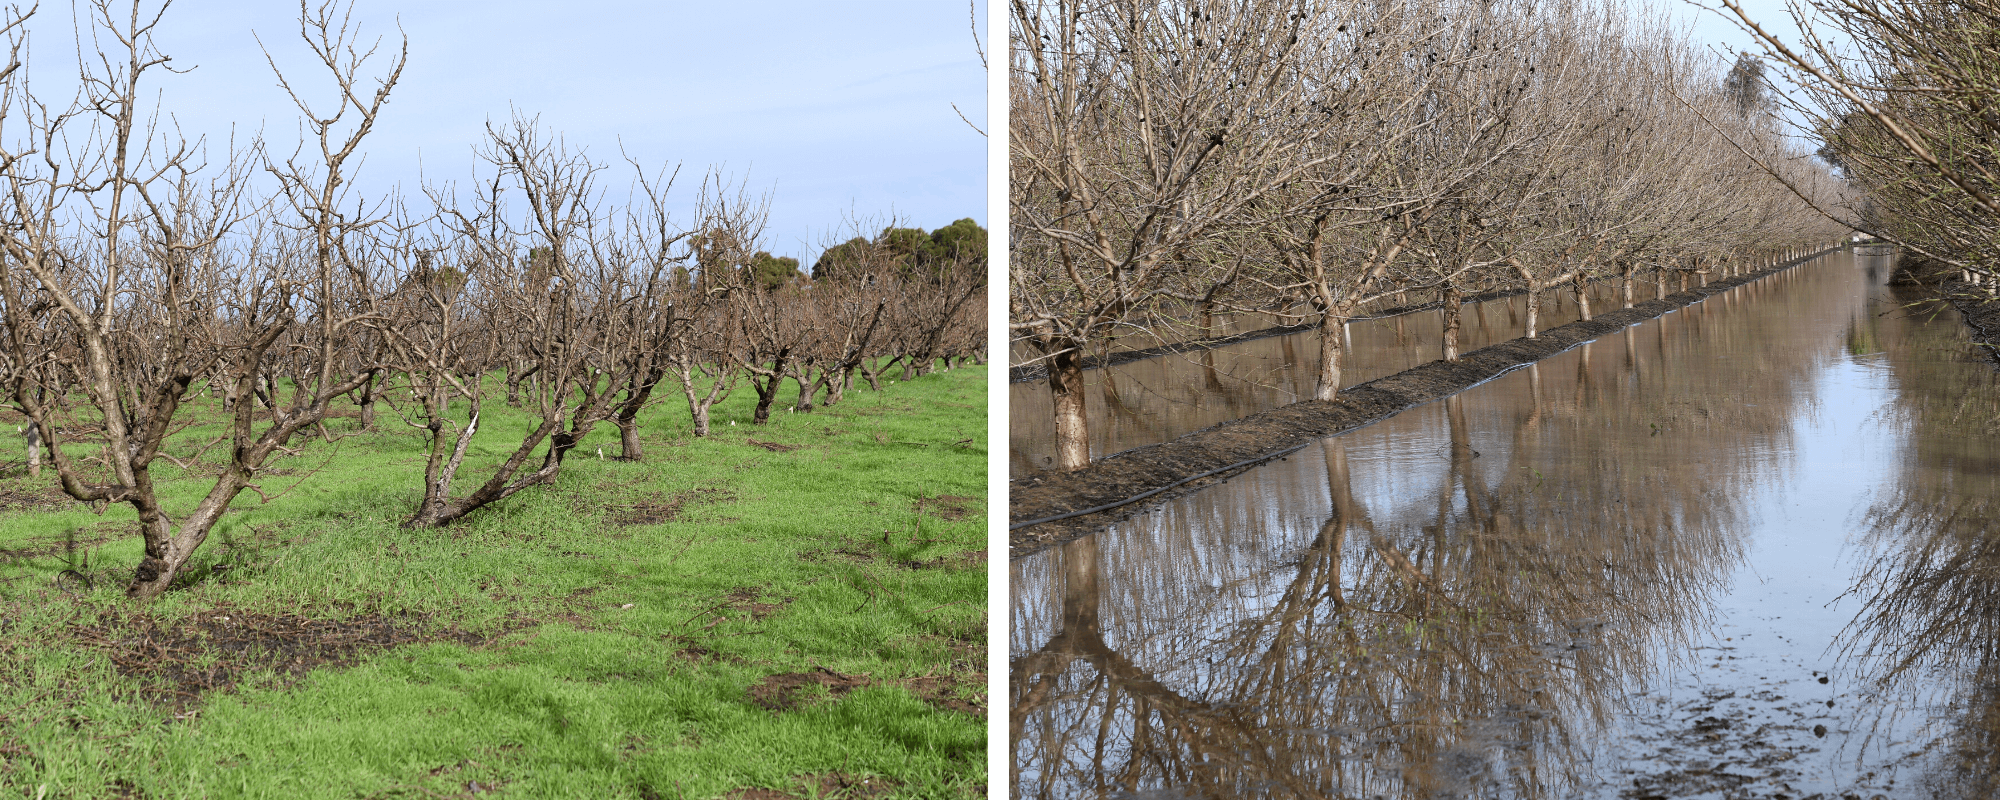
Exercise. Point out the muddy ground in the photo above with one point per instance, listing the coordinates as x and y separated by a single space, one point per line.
1238 445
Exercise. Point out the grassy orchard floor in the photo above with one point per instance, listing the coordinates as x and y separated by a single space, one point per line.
779 611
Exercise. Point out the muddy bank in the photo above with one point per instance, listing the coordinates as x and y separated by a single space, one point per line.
1158 472
1980 311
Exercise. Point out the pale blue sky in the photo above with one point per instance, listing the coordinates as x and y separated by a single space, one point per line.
835 107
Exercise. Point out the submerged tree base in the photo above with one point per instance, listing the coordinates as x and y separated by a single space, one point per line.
1268 434
1980 312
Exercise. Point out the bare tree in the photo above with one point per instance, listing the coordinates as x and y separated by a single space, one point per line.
1138 130
125 251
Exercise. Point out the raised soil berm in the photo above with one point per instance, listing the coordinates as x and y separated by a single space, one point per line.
1129 482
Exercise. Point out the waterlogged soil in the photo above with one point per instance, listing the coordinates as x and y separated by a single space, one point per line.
1167 470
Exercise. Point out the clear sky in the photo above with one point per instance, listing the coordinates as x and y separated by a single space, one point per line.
839 109
1718 28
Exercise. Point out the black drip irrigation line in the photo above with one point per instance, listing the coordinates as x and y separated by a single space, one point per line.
1255 460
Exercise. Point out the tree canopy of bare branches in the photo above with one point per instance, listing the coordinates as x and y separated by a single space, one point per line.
1175 162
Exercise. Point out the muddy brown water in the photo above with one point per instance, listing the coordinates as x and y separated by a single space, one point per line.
1151 401
1745 550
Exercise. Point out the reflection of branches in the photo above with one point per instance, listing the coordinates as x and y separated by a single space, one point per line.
1448 617
1931 616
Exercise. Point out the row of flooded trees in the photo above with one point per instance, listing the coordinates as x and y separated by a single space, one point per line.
1903 105
1454 627
1900 96
1173 162
138 276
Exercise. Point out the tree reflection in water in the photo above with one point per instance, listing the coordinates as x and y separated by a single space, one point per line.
1930 620
1446 604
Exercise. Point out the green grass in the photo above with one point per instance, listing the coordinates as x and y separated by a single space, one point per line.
520 665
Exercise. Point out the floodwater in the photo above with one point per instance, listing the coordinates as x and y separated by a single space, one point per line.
1158 399
1745 550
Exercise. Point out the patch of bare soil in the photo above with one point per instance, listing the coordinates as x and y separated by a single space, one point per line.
848 550
457 774
790 690
774 447
1123 484
829 785
793 690
744 600
72 542
949 507
176 663
741 602
22 498
699 654
969 559
656 510
942 692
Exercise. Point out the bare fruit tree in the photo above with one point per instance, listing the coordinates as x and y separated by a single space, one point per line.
125 281
1138 130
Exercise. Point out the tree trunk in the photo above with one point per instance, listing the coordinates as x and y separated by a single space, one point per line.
874 376
1072 426
168 550
1582 287
629 448
367 402
1453 304
836 389
767 395
806 384
1331 326
1534 310
700 415
34 435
